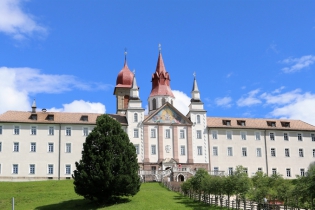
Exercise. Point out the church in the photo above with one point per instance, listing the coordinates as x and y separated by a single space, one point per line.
39 145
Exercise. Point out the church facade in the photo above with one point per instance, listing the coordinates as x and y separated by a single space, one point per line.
45 145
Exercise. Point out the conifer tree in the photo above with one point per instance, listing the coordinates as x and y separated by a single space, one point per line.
108 167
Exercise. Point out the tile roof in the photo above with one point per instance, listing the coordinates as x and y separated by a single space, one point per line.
59 117
255 123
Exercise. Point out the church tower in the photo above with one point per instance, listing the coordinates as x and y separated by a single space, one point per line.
161 91
122 89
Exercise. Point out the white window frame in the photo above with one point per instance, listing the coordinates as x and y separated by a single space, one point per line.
0 129
258 152
229 135
215 151
136 133
214 134
274 171
50 148
32 169
33 147
68 169
68 131
15 168
245 170
135 117
181 133
16 130
312 136
0 146
257 135
33 130
51 130
259 169
182 150
272 136
302 171
273 152
153 133
137 148
313 152
167 133
199 134
286 136
16 146
50 169
288 172
300 136
153 149
244 151
199 150
301 152
68 147
85 131
198 121
287 152
230 171
230 151
243 135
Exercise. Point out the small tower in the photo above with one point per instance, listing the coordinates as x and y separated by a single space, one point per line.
161 91
122 88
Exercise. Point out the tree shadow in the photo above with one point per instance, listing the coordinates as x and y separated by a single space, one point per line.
195 205
83 204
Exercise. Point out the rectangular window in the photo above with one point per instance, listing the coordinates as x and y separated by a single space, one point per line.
182 134
182 150
68 147
259 169
15 169
153 133
273 152
50 168
51 131
153 149
135 133
32 168
214 134
229 135
245 170
230 151
198 134
33 130
68 131
68 169
167 133
243 135
199 150
313 137
287 152
272 136
16 147
300 137
313 152
16 130
215 151
216 170
50 147
230 171
0 146
274 171
302 171
258 152
301 153
137 148
33 146
288 170
257 135
285 136
244 151
85 131
0 129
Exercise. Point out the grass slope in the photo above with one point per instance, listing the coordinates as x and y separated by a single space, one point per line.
51 195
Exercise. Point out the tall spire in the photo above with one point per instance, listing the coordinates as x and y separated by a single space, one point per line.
195 94
195 86
134 91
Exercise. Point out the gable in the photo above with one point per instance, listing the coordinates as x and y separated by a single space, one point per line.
167 114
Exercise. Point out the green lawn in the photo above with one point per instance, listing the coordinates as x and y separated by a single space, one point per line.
61 196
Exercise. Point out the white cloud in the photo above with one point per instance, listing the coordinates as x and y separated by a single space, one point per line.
298 64
18 83
225 102
281 99
81 106
250 99
17 23
181 101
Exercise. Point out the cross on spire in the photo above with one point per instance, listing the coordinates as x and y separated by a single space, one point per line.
160 47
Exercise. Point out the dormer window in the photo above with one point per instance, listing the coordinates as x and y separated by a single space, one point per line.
50 117
84 118
226 122
285 124
241 122
33 117
271 123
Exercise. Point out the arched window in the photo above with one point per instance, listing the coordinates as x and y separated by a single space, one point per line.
154 104
135 117
163 101
198 119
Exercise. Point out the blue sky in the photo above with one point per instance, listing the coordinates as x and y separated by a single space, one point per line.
252 58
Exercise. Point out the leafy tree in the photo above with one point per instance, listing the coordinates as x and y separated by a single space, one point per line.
260 187
196 181
108 167
242 183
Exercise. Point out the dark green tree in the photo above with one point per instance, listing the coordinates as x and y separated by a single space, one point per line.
108 167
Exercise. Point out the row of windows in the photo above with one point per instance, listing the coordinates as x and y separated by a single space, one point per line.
32 169
167 133
51 130
33 148
259 153
182 149
257 135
